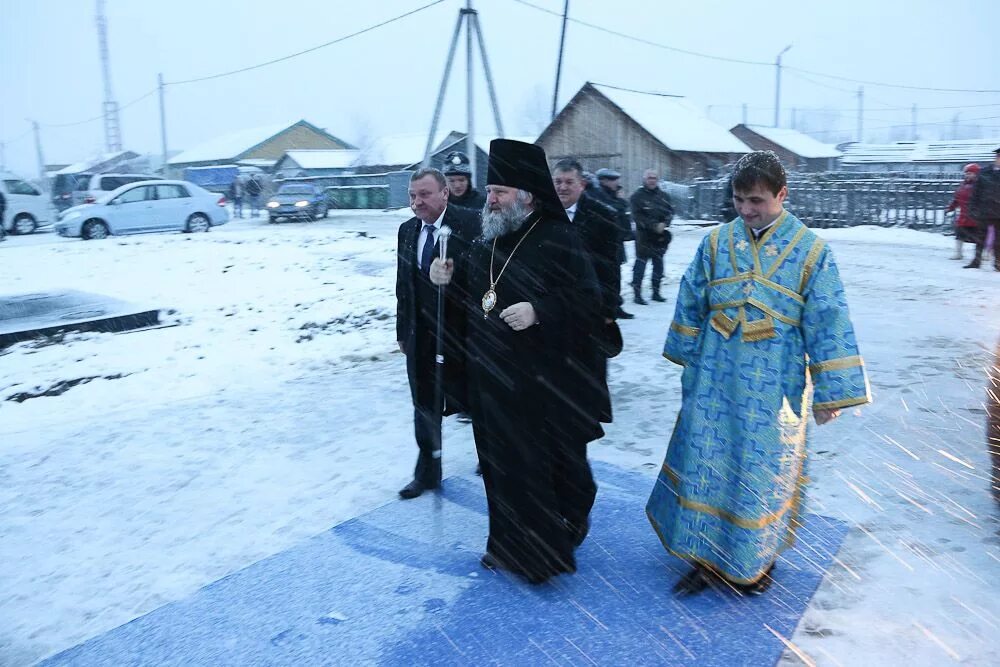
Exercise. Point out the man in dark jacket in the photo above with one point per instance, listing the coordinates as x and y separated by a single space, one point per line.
459 174
3 210
606 192
596 225
652 211
985 208
416 316
531 295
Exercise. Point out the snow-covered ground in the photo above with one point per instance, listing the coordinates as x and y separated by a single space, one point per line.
278 407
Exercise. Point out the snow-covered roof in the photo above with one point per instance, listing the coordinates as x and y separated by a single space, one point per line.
965 150
677 123
792 140
408 149
104 158
228 146
324 159
968 150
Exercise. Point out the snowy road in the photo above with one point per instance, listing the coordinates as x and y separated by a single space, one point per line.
278 407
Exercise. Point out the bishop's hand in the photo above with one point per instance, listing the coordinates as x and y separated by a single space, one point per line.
520 316
442 271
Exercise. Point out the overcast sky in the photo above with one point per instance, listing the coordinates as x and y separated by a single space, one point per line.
386 80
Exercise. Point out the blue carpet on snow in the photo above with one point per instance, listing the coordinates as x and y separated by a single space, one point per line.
402 586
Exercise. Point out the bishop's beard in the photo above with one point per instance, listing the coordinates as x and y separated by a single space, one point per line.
504 221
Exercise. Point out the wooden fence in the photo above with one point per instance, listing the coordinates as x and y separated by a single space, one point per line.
847 199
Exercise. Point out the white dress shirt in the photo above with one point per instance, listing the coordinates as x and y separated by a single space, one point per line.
424 233
571 211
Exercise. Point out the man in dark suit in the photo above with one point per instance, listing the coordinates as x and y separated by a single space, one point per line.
416 316
597 225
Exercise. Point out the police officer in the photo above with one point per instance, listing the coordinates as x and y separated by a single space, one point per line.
607 193
459 174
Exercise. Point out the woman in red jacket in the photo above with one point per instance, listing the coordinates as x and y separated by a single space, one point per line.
966 229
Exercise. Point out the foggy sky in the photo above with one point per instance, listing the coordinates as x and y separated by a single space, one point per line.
386 81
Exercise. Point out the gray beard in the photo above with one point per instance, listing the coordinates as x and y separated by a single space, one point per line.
503 222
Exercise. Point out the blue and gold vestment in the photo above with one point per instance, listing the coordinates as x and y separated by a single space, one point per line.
751 314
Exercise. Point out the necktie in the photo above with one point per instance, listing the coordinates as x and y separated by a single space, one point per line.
427 256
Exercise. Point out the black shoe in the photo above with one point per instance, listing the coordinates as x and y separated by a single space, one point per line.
758 587
490 562
695 581
639 300
657 297
463 418
578 532
412 490
971 265
622 315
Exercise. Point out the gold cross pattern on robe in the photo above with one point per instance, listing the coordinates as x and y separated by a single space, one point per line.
748 288
771 250
742 245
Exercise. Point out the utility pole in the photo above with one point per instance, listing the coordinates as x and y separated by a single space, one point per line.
470 17
470 133
794 124
112 121
954 127
3 157
38 152
913 123
744 113
562 43
777 86
861 115
163 122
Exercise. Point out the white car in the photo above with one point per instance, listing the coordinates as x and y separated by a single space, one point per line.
27 208
146 206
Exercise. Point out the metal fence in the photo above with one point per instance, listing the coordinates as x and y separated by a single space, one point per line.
838 199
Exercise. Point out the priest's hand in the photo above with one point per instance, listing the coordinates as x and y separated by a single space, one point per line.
825 416
441 271
520 316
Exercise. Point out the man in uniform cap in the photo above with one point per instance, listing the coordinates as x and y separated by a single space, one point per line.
607 192
532 303
459 174
985 208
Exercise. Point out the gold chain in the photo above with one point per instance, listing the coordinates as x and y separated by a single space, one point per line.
493 283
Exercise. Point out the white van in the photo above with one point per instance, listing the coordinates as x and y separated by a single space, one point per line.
27 208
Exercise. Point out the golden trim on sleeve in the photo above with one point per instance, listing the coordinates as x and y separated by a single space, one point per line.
843 403
836 364
713 245
810 264
684 330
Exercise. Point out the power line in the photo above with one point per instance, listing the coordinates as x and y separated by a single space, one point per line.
905 124
645 41
751 62
632 90
309 50
895 85
96 118
238 71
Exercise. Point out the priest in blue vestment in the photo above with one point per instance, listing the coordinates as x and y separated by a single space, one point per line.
762 330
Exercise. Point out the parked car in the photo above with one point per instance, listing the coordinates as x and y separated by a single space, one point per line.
101 184
27 207
63 187
146 206
297 200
